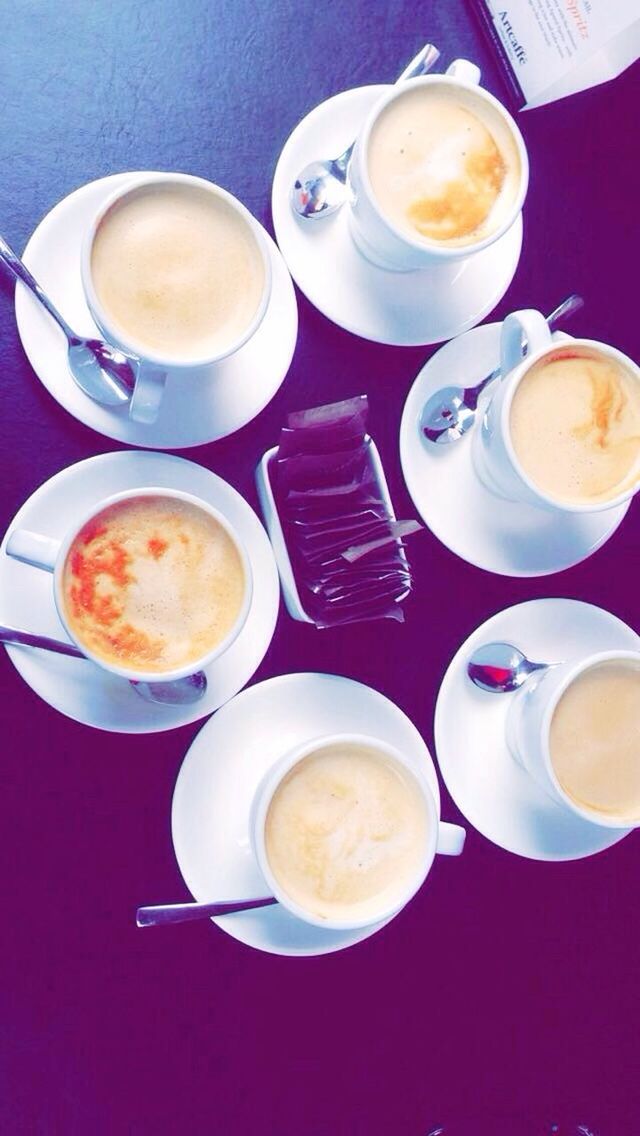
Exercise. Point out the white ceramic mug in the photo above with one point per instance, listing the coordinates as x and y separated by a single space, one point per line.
377 238
529 723
49 554
154 369
493 453
444 838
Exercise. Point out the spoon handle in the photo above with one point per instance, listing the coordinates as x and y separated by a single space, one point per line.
28 639
186 912
13 262
421 63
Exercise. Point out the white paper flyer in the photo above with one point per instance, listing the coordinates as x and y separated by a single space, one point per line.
554 48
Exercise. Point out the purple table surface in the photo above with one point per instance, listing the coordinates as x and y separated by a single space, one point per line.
505 998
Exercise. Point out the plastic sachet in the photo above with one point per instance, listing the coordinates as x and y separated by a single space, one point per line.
346 549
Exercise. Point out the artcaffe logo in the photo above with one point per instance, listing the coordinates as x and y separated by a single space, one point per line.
516 46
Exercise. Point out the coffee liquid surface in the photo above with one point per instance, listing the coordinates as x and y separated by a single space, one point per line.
152 584
438 171
177 271
575 426
595 740
346 830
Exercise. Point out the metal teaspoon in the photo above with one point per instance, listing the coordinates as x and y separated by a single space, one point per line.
321 187
163 914
102 372
501 668
179 692
451 411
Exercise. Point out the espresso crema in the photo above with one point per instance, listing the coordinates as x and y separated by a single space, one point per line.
177 271
594 740
152 584
575 426
442 169
346 829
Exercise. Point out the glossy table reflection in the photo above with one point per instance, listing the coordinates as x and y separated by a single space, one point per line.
505 999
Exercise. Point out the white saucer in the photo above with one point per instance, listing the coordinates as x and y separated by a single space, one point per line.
79 688
492 791
222 769
402 308
501 536
196 408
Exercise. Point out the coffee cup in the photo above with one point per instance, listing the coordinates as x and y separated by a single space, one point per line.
177 272
439 172
562 428
151 584
574 727
345 830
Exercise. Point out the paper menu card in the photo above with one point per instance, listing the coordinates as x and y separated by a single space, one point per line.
554 48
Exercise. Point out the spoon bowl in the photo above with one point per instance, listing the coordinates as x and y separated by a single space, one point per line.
500 668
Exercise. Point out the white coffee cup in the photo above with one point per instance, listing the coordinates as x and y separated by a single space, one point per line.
529 723
444 838
377 238
154 368
50 555
493 453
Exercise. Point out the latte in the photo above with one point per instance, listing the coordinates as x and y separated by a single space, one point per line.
575 425
177 271
442 169
152 584
347 829
595 740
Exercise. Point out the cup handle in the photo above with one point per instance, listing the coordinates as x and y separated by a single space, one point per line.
33 548
451 838
147 395
464 71
527 327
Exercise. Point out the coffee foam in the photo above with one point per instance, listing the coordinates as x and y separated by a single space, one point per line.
152 584
575 425
443 168
177 271
346 830
594 740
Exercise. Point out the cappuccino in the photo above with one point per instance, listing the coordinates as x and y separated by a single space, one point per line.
152 584
177 271
346 831
594 740
443 169
575 425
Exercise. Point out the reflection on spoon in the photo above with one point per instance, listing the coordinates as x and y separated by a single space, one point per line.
500 668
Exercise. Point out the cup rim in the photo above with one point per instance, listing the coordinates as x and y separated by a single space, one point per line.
138 182
513 380
264 795
194 665
434 248
575 670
